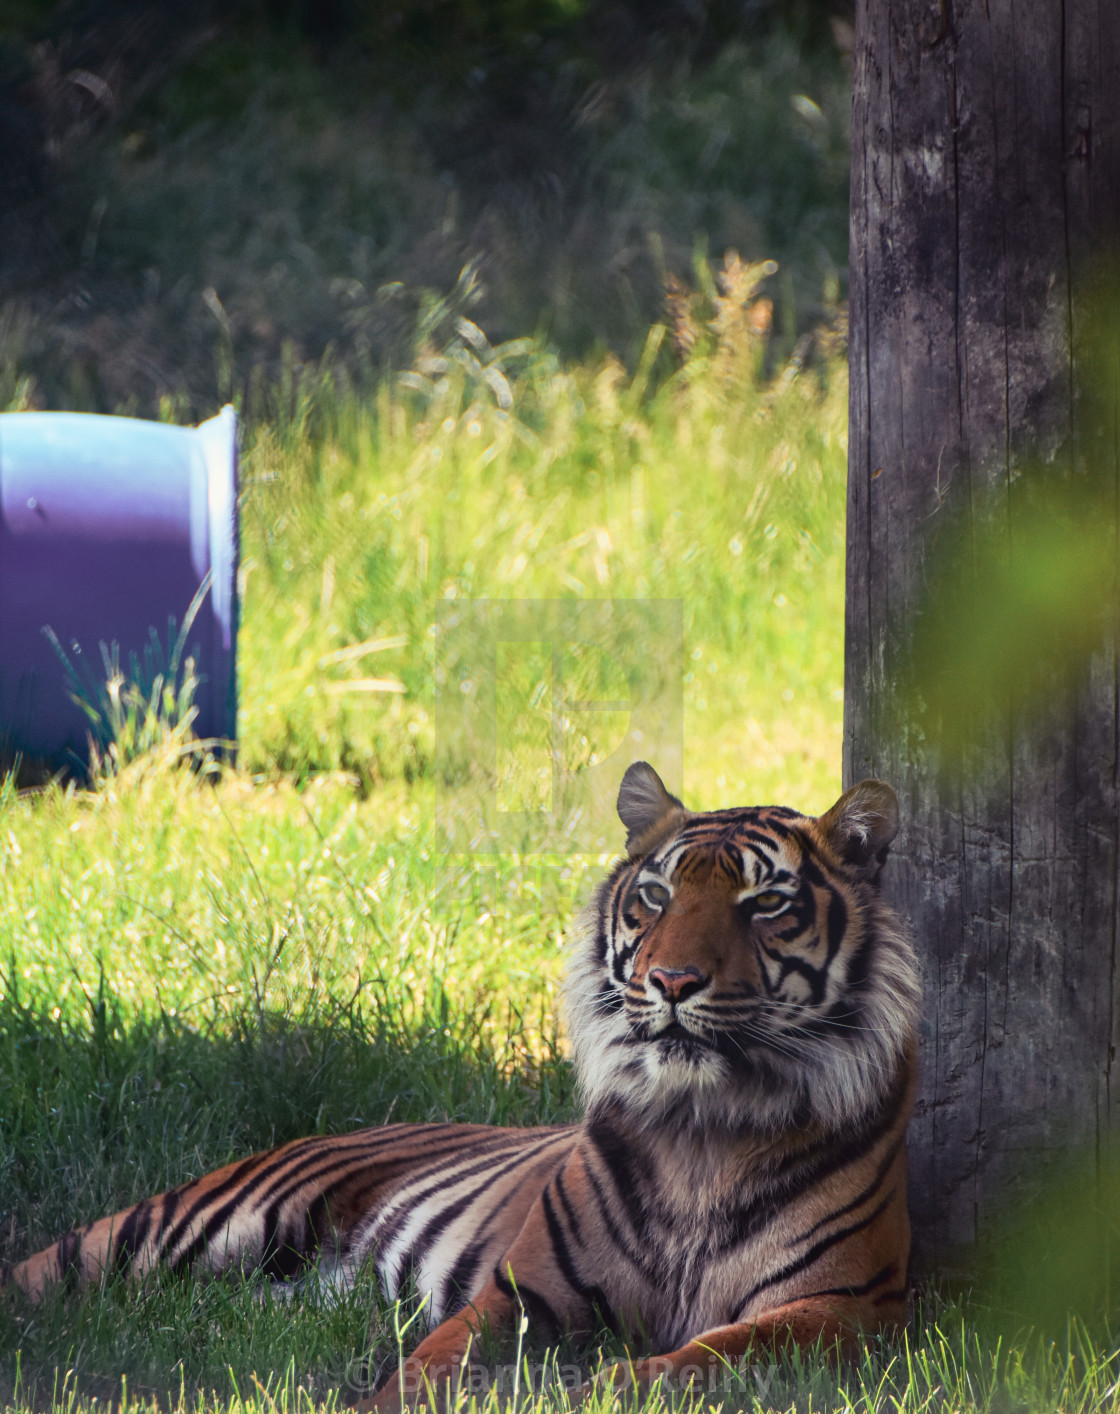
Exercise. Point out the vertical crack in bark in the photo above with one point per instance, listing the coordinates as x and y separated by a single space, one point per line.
1005 275
890 632
1064 160
1110 1053
867 196
1009 746
961 340
1110 395
1065 155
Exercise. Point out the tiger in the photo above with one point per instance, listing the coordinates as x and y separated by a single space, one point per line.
741 1007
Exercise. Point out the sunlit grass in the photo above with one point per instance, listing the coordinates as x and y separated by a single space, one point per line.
725 497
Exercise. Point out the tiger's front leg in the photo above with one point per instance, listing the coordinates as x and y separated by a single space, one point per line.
537 1277
433 1371
823 1320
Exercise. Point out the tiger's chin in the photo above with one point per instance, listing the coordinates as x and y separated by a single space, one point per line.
710 1085
685 1084
677 1061
685 1057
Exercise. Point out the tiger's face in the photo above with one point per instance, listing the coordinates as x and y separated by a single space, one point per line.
739 967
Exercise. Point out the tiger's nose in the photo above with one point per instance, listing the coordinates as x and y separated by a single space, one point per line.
677 983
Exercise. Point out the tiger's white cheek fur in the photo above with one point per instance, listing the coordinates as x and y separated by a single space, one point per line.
795 991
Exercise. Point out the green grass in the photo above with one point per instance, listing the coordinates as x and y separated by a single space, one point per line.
575 491
193 968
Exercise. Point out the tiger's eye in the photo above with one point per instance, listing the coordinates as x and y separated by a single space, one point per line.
655 896
769 901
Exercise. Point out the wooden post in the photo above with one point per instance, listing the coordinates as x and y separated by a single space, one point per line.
985 174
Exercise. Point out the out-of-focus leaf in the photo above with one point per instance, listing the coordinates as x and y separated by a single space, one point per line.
1016 606
1057 1257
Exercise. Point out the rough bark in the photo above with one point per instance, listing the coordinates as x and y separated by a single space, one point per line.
985 174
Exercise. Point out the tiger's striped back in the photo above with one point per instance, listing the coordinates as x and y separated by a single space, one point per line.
438 1201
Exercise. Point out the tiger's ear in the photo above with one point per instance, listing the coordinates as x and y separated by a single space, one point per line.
862 823
645 807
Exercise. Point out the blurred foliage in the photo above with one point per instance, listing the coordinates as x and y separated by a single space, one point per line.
447 30
26 20
1018 604
1055 1261
453 34
196 193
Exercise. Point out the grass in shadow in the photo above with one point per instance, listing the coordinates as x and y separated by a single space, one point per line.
100 1110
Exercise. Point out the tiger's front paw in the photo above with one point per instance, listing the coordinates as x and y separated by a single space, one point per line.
419 1385
387 1400
643 1375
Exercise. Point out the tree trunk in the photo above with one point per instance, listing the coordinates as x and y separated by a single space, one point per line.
985 174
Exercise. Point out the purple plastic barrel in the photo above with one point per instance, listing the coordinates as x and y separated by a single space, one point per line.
108 528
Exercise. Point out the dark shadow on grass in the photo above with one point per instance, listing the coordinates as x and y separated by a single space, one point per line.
100 1110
